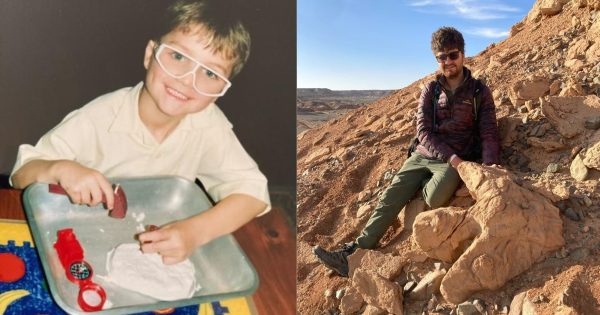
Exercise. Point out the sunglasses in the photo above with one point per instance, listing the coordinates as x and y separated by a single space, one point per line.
453 56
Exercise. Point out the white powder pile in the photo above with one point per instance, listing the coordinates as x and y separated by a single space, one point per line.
131 269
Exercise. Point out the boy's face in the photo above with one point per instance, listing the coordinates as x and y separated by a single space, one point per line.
177 97
450 62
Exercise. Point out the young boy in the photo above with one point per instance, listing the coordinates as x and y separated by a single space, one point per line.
166 125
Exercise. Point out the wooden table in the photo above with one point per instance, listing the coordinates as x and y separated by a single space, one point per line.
268 241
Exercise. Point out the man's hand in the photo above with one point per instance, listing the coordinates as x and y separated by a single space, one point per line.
455 160
493 165
84 185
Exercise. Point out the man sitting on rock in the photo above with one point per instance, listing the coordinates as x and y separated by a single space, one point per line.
456 121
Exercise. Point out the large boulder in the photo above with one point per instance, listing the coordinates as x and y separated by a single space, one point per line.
318 156
534 14
592 4
429 285
530 89
595 27
568 114
592 157
386 265
545 7
572 87
551 7
378 291
578 49
507 230
372 273
351 302
578 169
592 54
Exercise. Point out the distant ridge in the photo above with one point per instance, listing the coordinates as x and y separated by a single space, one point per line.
324 92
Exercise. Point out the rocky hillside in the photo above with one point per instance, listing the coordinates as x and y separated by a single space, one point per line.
545 259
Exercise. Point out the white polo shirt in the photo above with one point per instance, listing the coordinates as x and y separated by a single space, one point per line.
108 135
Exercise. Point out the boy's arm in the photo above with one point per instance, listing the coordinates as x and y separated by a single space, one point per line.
83 185
52 160
227 169
177 241
35 171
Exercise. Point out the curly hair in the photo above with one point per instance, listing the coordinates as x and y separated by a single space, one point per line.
447 38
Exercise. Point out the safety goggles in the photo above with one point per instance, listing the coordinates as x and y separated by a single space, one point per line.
177 64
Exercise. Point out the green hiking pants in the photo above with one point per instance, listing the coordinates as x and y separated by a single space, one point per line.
438 179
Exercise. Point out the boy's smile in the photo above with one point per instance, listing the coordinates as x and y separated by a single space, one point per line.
166 99
177 95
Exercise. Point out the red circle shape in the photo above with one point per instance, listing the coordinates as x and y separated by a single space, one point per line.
164 311
90 286
13 267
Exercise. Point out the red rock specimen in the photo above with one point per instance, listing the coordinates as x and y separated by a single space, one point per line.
507 230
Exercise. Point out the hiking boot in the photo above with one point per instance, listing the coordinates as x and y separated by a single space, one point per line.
336 260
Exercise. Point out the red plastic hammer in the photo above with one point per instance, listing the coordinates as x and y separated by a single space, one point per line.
120 208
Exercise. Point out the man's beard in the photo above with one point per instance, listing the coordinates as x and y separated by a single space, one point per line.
453 74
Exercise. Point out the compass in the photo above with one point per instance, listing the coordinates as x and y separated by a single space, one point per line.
81 270
91 296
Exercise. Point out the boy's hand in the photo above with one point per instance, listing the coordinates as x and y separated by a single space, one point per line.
177 241
174 242
84 185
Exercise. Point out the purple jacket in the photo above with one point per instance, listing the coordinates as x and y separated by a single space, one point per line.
453 132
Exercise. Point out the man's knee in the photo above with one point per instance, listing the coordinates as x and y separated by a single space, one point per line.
434 201
439 194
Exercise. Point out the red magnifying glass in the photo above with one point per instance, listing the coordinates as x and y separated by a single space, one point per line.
91 296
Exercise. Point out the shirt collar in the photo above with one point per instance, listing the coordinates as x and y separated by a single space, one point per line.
127 118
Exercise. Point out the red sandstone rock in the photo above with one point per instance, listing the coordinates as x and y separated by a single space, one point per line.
351 302
378 291
507 230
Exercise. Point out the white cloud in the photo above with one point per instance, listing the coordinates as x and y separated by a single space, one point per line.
488 32
421 3
468 9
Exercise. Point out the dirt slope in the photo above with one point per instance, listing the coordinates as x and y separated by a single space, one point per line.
546 80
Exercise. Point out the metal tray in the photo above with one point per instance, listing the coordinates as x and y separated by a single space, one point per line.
222 268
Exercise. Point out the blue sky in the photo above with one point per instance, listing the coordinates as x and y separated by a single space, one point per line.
385 44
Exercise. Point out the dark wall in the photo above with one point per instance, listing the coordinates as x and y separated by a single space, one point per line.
55 56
